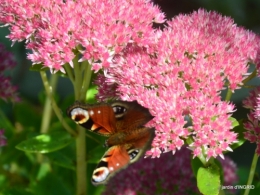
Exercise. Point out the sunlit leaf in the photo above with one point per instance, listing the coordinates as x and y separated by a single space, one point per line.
91 94
234 121
208 180
46 142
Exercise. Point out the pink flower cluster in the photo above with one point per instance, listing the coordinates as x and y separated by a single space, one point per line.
54 28
7 91
165 175
253 125
180 80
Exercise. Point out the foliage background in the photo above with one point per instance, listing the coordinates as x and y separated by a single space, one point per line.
23 119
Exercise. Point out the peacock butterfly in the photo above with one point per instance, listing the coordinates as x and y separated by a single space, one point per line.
123 123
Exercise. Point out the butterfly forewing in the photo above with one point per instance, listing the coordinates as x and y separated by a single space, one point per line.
97 118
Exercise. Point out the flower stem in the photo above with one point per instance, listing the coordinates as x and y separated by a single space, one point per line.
47 111
86 79
78 79
251 76
55 108
46 117
81 169
82 77
228 95
251 173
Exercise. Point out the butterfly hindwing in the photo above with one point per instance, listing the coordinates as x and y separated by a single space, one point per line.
116 158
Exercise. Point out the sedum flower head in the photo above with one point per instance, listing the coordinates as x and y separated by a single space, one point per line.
181 78
252 126
54 28
7 91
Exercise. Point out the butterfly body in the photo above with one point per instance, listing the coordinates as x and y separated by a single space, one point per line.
123 123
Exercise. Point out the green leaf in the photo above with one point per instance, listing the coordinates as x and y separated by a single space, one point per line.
41 67
208 180
60 159
91 94
46 142
23 110
239 129
38 67
6 124
234 121
51 184
15 192
195 165
96 154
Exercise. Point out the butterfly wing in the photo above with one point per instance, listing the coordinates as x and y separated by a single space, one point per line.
128 144
118 157
130 115
124 123
98 118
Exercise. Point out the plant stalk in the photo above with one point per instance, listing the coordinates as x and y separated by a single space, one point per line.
251 173
81 83
48 90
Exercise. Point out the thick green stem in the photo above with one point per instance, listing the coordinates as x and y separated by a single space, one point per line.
69 72
86 79
251 173
228 95
47 112
78 79
81 85
81 169
251 76
55 108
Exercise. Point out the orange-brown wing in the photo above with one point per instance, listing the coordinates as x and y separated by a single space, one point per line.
99 118
130 120
115 158
118 156
130 115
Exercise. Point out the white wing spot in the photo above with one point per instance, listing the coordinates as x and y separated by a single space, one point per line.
98 111
117 164
111 168
91 112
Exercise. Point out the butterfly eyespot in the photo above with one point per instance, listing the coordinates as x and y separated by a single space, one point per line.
119 111
100 174
79 115
133 154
